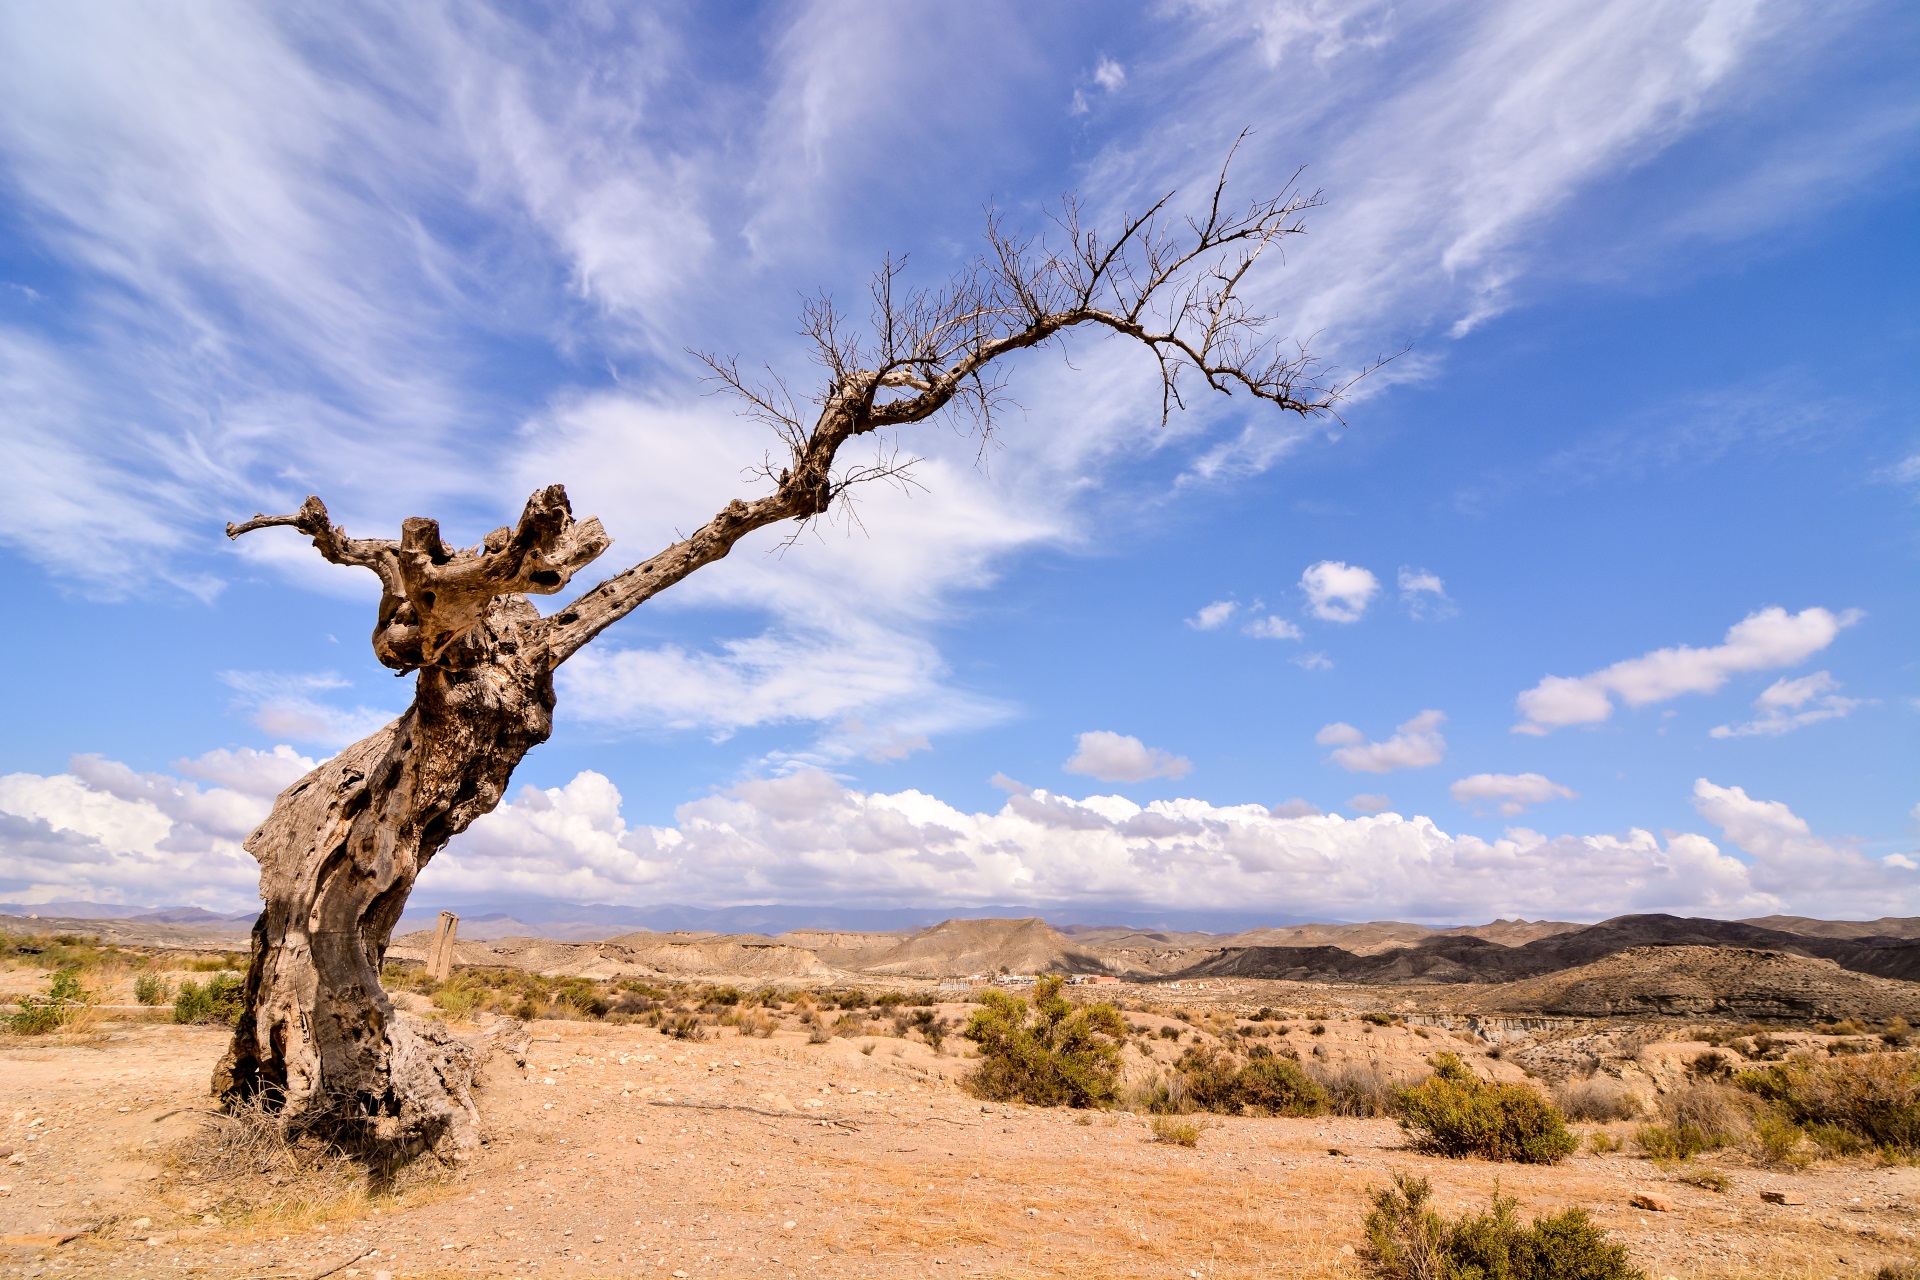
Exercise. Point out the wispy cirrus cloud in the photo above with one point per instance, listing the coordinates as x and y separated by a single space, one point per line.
287 247
1786 705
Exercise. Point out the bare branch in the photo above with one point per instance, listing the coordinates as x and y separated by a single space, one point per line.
1171 283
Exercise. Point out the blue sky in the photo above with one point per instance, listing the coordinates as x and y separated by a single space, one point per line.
1602 599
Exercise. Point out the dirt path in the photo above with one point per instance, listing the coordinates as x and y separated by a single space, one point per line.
618 1152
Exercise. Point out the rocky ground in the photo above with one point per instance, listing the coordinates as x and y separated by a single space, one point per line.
615 1151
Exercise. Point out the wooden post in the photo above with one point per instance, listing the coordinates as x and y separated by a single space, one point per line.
440 955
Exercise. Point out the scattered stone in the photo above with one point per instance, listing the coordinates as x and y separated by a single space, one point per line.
1652 1200
1335 1151
1783 1197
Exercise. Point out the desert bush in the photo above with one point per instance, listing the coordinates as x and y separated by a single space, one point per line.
1597 1099
1063 1055
930 1025
1355 1089
1899 1271
1695 1118
1169 1032
1179 1133
1711 1065
1898 1034
1455 1113
1317 1029
1265 1084
684 1026
65 1000
1874 1096
1407 1240
151 988
217 1001
1601 1143
1377 1019
818 1032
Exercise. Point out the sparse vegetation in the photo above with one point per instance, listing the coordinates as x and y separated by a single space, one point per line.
1695 1118
1597 1099
1705 1179
216 1002
1455 1113
1408 1240
1872 1098
151 989
1265 1083
1358 1089
1062 1055
66 999
1179 1133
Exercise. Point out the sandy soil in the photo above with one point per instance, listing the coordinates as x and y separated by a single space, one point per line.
618 1152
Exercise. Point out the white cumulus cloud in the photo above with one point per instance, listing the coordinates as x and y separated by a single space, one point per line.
1114 757
1786 705
1213 615
1761 641
1272 628
103 832
1416 744
1515 792
1337 591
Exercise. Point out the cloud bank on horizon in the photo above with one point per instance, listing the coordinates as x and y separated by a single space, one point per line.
103 832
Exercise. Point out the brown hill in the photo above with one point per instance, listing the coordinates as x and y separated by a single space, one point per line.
958 948
1885 927
1699 981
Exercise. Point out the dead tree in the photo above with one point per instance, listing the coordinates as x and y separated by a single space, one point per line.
318 1039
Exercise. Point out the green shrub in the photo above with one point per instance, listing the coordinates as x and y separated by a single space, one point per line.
459 996
218 1001
151 988
1407 1240
1455 1113
1874 1096
64 1000
1064 1055
1266 1083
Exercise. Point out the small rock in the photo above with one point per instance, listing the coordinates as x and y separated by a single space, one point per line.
787 1226
1652 1200
1335 1151
1346 1250
1782 1197
141 1224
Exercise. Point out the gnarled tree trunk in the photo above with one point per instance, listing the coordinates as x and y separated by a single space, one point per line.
318 1040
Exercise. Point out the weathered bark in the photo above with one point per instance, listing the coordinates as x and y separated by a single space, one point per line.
318 1039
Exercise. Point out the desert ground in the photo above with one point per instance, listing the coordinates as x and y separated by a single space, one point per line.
616 1149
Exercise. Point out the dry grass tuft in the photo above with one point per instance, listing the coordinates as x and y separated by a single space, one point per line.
1597 1099
1176 1132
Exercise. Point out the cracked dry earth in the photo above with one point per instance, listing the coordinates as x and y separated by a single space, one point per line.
618 1152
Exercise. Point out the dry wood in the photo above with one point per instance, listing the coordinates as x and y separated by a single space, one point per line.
318 1040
